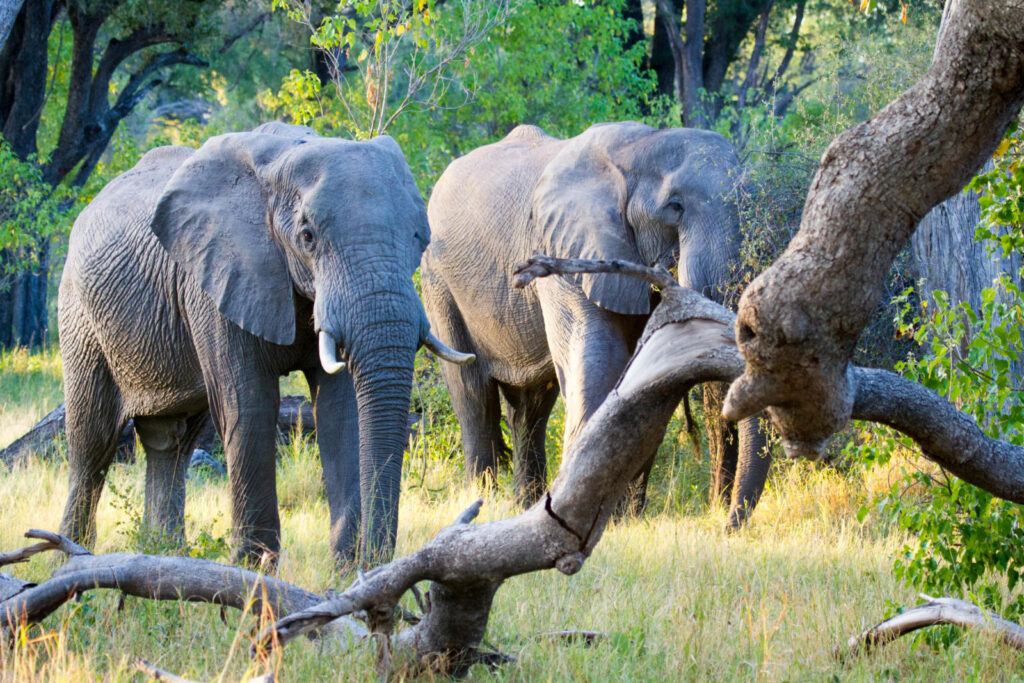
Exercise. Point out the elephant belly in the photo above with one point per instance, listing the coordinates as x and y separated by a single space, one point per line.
507 329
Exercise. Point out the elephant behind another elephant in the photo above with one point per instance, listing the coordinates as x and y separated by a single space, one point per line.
198 277
617 191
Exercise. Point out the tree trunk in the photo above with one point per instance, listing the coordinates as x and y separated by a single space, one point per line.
799 320
30 298
6 302
666 17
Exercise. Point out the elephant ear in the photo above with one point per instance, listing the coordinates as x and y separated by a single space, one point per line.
213 220
579 211
410 202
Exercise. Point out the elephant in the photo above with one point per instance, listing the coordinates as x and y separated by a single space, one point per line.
197 278
617 191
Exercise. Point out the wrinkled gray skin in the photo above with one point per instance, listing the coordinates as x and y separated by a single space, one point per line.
197 278
617 191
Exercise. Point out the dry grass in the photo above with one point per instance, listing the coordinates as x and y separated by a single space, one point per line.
679 598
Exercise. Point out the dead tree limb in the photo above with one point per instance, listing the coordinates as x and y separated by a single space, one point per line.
152 577
687 340
934 612
295 414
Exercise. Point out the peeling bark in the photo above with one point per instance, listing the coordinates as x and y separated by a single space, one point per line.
798 322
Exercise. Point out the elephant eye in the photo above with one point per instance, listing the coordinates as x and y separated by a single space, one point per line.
308 240
674 207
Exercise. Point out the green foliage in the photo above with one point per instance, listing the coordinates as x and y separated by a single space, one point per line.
1002 195
31 211
407 56
967 541
558 64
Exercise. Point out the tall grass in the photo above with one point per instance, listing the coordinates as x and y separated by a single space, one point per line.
678 597
30 387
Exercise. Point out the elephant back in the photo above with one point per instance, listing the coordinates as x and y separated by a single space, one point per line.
481 203
122 211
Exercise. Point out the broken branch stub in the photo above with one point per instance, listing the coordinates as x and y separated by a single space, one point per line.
148 576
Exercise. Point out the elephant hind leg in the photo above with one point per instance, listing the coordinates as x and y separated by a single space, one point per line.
723 443
528 412
168 442
94 422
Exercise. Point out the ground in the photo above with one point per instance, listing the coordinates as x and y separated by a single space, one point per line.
678 597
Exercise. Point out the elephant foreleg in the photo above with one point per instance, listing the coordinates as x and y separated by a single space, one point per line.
244 401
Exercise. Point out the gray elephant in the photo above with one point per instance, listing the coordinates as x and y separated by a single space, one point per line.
617 191
196 279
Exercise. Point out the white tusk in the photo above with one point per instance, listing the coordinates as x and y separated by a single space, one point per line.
445 352
328 354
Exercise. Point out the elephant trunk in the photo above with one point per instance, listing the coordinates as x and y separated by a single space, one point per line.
382 369
377 330
709 249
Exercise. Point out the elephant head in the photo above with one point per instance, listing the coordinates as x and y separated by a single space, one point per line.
628 191
262 217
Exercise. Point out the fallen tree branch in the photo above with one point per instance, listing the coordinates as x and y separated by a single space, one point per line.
295 413
687 340
934 612
153 577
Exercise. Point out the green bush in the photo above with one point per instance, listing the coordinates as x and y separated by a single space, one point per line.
966 541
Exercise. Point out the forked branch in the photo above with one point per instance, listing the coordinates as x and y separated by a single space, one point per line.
687 340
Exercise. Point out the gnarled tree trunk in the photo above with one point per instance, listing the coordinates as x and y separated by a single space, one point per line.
799 320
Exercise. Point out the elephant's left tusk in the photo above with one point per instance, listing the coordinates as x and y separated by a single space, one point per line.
445 352
329 354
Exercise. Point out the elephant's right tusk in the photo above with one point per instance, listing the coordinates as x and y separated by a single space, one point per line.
445 352
329 354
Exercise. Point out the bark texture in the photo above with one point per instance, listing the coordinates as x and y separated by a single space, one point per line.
798 321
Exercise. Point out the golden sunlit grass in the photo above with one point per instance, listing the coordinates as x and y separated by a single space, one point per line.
679 598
